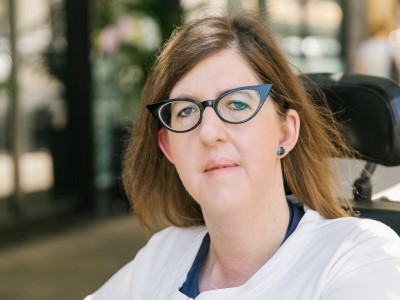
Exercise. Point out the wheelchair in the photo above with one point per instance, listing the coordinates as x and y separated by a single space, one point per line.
368 109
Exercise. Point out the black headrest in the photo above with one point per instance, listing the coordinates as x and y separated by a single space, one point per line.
368 107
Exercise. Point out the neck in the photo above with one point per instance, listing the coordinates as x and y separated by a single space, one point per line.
242 244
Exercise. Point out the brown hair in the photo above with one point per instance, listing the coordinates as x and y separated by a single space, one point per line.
151 181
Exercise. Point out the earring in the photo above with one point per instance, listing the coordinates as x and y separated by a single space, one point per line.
280 151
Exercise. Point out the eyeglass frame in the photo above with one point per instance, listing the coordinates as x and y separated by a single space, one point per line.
262 89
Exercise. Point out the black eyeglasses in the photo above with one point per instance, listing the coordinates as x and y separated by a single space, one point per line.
234 106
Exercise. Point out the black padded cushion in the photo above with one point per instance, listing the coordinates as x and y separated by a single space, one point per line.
369 109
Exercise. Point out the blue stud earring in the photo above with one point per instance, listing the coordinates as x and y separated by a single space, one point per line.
280 151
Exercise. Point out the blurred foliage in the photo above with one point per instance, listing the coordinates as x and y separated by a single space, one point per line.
166 12
126 36
122 53
118 75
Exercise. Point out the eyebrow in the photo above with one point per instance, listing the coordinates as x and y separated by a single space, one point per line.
197 99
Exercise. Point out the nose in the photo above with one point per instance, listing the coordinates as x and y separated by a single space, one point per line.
212 128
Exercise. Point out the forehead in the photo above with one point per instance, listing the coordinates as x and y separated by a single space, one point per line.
216 74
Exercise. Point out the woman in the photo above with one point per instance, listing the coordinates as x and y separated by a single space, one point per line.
224 128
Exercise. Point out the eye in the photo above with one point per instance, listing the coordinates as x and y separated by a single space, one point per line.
237 105
186 112
239 101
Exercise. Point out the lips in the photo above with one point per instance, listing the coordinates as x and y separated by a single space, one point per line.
219 164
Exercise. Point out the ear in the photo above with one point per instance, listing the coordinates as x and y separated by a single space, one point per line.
163 143
290 131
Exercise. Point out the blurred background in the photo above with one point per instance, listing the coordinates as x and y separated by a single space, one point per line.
71 72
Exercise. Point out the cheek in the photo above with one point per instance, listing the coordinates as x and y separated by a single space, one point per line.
183 155
262 137
259 144
177 154
184 162
260 151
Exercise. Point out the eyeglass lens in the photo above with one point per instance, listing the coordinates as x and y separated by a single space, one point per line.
235 107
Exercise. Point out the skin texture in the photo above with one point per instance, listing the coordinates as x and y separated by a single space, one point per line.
233 172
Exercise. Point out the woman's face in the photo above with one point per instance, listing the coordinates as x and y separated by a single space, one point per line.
229 168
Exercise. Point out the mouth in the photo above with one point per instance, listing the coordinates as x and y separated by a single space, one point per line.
219 165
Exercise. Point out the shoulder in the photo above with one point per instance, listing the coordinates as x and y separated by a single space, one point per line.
164 256
351 227
359 258
349 232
